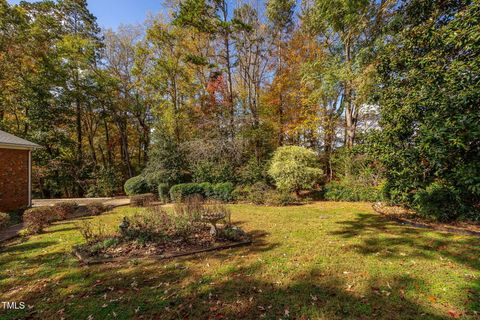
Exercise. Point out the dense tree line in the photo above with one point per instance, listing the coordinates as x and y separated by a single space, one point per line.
384 92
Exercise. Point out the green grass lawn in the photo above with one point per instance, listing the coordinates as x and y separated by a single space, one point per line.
318 261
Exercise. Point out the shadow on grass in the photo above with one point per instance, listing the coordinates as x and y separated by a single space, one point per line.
387 240
187 288
176 291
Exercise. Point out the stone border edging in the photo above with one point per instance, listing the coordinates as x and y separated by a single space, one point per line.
427 226
92 261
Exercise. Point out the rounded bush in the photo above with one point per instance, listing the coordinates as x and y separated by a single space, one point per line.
38 218
62 210
142 200
95 208
295 168
136 185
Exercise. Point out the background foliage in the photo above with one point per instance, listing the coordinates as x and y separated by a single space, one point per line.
384 94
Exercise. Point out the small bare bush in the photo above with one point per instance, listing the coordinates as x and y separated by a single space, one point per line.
63 210
158 225
95 208
142 200
92 232
4 220
148 226
192 206
36 219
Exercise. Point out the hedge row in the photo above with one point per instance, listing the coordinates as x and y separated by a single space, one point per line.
219 191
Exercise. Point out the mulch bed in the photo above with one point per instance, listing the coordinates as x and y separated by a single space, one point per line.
408 217
126 253
124 249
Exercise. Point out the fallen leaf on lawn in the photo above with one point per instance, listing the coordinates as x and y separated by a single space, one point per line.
287 313
432 299
376 290
454 314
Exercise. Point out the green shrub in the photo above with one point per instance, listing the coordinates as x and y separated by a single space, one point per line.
258 193
63 210
142 200
253 171
279 198
36 219
137 185
349 191
207 190
4 220
252 193
295 168
223 191
440 201
180 191
163 192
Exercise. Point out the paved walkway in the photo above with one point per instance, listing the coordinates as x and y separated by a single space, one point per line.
13 231
81 201
10 232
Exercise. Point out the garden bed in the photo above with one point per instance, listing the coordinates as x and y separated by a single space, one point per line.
409 217
130 251
189 227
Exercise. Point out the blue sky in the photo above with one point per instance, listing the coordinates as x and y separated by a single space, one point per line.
112 13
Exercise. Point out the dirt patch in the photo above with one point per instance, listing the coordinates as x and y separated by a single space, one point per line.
128 251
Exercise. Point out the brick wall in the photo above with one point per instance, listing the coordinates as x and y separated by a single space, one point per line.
13 179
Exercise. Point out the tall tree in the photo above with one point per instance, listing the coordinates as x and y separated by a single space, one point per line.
80 44
280 15
349 30
429 105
